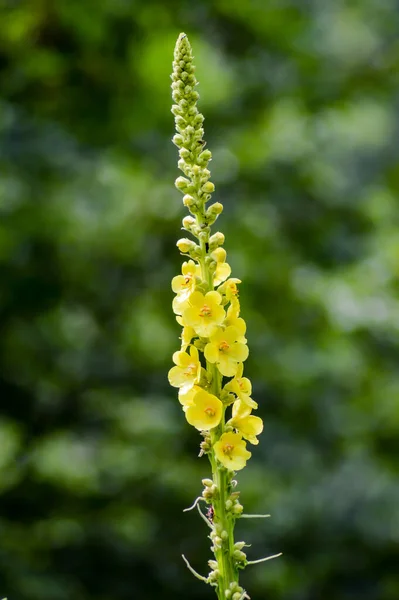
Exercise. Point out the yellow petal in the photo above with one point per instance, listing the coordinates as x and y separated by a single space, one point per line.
211 353
239 352
226 366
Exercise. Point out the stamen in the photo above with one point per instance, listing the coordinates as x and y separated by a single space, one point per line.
205 311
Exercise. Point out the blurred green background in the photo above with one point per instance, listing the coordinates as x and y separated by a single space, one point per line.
301 99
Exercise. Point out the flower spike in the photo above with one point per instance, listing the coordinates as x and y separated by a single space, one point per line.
208 368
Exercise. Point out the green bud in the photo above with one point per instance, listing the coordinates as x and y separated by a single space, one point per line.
224 535
216 240
214 575
207 482
237 509
227 594
205 156
181 183
188 222
239 556
236 596
178 140
228 504
239 545
187 199
214 209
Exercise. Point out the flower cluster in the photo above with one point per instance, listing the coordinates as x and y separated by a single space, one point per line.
206 303
208 372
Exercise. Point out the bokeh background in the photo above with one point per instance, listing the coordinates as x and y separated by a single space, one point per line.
301 99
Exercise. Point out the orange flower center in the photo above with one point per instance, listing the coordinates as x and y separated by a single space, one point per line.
228 449
223 346
210 412
205 311
190 370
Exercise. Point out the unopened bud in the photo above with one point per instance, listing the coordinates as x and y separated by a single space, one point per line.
214 209
187 199
224 535
177 140
188 222
213 564
184 153
228 504
239 545
205 156
240 556
181 183
185 245
227 594
236 596
237 508
207 482
208 187
216 240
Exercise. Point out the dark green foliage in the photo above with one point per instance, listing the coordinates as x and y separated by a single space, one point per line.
96 460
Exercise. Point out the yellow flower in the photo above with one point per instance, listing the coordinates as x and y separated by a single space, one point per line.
241 387
187 371
231 451
205 412
229 288
186 399
223 269
233 319
183 285
248 425
204 313
224 350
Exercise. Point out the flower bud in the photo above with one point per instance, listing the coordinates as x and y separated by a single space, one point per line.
216 240
240 556
213 564
237 509
187 199
224 535
239 545
205 156
207 493
227 594
188 222
236 596
185 245
214 575
214 210
208 187
181 183
228 504
177 140
207 482
184 153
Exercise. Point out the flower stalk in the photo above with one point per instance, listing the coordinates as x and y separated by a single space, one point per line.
208 372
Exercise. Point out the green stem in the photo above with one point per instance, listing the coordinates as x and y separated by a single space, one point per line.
223 520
